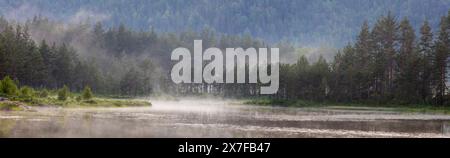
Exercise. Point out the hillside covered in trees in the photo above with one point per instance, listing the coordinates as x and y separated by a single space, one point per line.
306 22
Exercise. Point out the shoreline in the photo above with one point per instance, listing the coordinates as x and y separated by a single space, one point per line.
13 105
414 108
101 102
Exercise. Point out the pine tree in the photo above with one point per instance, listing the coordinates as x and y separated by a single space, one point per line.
49 58
336 87
302 68
9 59
363 61
348 69
425 48
64 65
408 64
440 62
319 76
130 84
2 53
35 68
384 35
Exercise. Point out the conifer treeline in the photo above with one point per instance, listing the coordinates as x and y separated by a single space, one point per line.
387 63
41 65
115 60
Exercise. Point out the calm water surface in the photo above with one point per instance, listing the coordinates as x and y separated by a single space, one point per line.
219 118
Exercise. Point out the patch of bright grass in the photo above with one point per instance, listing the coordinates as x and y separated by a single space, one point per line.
50 98
95 102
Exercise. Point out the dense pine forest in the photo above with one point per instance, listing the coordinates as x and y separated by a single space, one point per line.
46 54
307 22
388 63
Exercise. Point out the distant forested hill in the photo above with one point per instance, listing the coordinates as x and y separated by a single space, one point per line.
307 22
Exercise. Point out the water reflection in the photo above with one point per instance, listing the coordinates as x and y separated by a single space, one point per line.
219 118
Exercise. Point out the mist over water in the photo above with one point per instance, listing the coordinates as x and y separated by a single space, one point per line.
219 118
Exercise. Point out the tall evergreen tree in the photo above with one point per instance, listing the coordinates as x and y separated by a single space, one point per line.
384 35
49 57
363 47
408 64
64 65
440 62
302 68
319 77
425 48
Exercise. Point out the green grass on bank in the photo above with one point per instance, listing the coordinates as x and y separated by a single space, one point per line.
94 102
52 101
415 108
10 106
52 98
15 98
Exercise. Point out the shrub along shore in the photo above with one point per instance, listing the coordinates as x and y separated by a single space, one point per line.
14 98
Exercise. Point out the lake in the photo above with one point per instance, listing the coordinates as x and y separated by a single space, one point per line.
220 118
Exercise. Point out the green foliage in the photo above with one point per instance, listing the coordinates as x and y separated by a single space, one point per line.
87 93
44 93
90 101
63 93
78 98
26 93
440 60
8 87
385 64
425 48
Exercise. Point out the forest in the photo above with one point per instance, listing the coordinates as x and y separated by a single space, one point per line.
119 61
388 63
307 22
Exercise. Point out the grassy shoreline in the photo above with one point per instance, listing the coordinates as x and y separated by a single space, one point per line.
21 104
94 102
10 106
415 108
